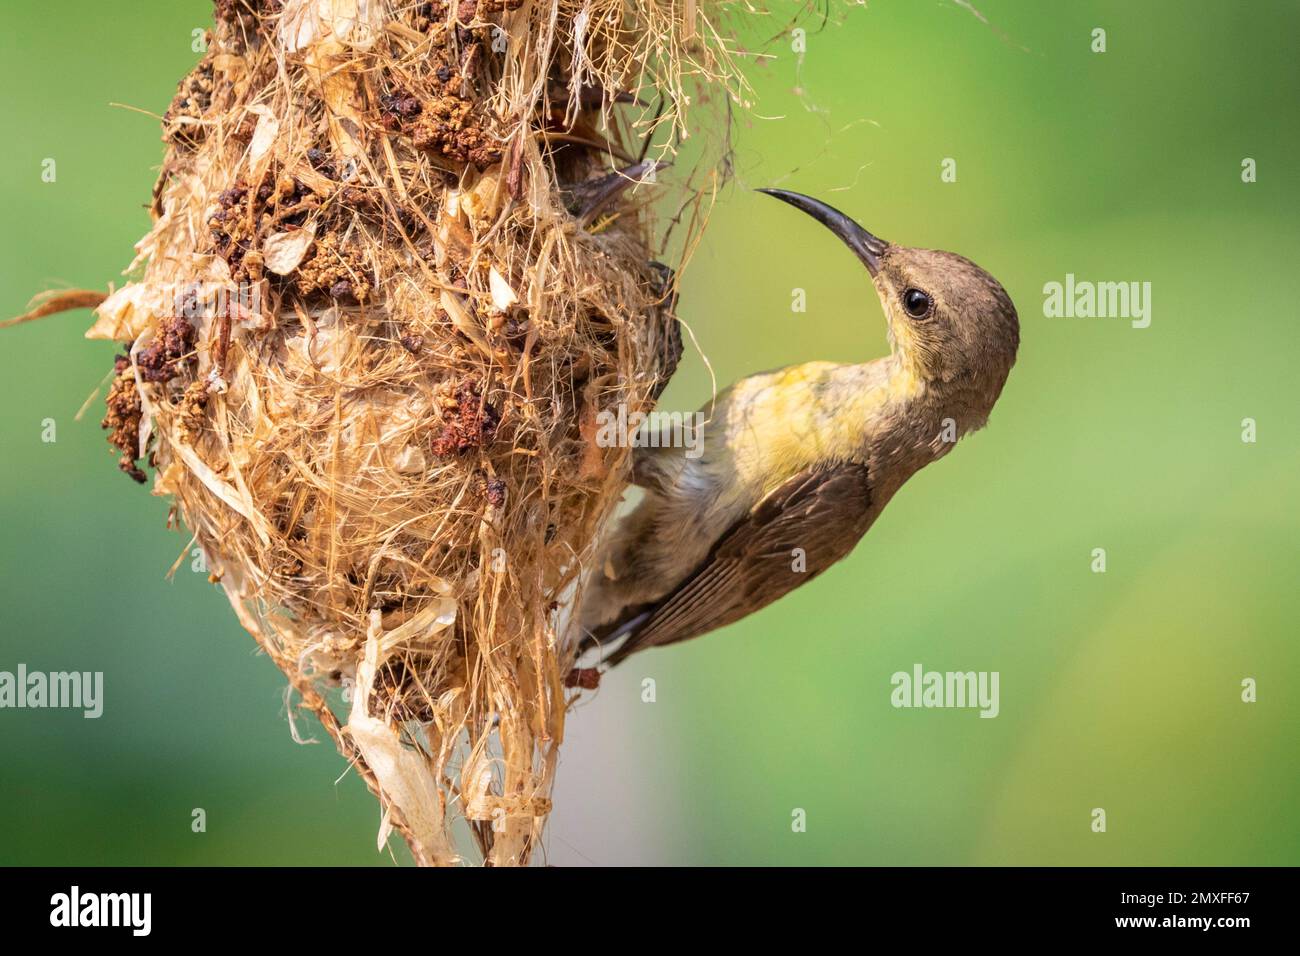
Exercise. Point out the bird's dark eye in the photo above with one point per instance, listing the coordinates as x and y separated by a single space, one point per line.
917 303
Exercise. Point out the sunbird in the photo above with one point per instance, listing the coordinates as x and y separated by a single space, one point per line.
796 464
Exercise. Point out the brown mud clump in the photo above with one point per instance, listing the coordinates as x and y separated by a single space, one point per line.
160 361
122 419
471 421
183 121
338 271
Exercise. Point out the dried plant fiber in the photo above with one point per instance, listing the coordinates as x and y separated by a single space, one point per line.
402 256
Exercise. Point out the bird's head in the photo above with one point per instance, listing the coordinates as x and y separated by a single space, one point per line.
950 322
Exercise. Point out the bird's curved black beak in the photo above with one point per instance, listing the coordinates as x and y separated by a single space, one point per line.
865 246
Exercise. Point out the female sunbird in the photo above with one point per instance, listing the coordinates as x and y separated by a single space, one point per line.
796 464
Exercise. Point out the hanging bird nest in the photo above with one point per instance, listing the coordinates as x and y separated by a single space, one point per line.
402 257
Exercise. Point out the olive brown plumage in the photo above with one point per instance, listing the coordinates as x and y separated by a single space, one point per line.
796 464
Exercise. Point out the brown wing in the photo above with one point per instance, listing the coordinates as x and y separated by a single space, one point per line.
796 532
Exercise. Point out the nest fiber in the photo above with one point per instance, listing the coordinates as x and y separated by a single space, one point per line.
402 258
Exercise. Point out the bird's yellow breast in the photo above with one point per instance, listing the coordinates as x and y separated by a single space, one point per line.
771 426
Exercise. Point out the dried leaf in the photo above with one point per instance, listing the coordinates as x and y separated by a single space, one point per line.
126 313
283 252
403 773
410 460
461 318
356 22
268 127
503 297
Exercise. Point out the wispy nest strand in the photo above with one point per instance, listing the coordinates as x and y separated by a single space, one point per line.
394 276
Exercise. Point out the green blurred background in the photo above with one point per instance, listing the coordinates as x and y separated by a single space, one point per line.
1118 690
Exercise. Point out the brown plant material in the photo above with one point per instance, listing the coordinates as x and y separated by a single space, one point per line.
122 419
336 269
370 329
161 360
183 121
51 303
471 421
191 412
